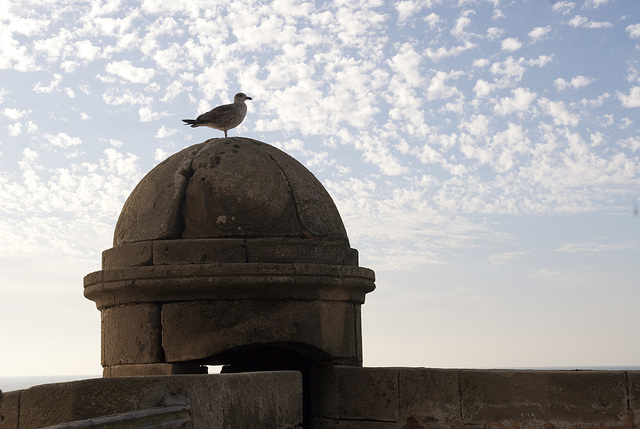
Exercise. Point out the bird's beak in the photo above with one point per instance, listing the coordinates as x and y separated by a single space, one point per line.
248 98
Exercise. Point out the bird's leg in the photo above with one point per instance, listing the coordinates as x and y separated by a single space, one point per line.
225 133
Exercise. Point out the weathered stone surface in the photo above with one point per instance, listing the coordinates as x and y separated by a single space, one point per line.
131 334
201 251
316 210
230 187
150 369
353 424
200 329
10 409
352 393
153 210
429 398
633 378
236 190
348 397
266 400
128 255
531 399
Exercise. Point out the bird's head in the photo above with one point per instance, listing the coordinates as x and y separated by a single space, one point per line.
241 97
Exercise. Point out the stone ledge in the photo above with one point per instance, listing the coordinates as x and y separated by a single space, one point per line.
354 398
266 400
229 250
150 369
228 281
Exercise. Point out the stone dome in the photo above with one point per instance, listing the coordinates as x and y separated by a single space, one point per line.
229 188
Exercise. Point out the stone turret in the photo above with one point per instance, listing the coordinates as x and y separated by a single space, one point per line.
229 252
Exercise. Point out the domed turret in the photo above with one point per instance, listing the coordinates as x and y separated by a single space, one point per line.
225 248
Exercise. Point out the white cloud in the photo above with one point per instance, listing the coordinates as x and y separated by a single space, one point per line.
160 155
461 24
633 30
631 100
147 115
115 97
481 62
539 33
408 8
443 52
510 44
632 143
494 33
581 21
576 82
558 110
438 89
594 3
563 6
164 132
509 71
127 71
40 88
15 129
14 114
483 88
63 140
478 125
541 61
432 20
406 63
520 102
86 50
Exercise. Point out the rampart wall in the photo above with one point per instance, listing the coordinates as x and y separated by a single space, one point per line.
345 398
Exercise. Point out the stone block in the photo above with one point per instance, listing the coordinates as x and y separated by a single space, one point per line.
352 424
634 397
295 250
535 398
202 251
128 255
429 398
10 409
353 393
266 400
200 329
150 369
131 334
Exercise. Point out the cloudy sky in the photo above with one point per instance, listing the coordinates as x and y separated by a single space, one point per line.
484 155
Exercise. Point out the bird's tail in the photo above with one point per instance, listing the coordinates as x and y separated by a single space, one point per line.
189 121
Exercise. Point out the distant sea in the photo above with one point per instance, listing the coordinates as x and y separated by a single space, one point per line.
8 384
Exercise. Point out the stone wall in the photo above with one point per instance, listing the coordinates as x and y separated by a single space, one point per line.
251 400
415 398
345 397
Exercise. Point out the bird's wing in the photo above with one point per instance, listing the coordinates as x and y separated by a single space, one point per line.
215 114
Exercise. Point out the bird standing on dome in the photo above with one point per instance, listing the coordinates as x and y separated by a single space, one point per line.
223 117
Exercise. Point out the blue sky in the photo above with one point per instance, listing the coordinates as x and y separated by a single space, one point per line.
484 155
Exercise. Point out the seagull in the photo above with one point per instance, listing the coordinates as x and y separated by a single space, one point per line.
223 117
